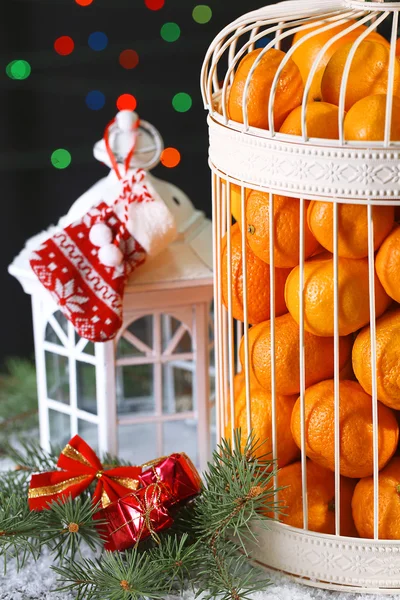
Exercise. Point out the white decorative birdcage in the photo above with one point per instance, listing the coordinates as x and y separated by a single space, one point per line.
247 154
146 392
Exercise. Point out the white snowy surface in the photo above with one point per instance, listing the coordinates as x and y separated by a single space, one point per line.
36 582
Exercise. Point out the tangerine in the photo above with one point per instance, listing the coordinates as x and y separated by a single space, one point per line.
288 95
356 430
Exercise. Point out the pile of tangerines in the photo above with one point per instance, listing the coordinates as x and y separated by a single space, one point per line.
365 106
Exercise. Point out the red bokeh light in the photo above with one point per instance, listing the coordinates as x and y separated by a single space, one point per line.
170 157
129 59
154 4
64 45
84 2
126 102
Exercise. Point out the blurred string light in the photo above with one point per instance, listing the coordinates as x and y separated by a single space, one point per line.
95 100
61 158
202 14
129 59
18 69
64 45
170 157
97 41
126 102
170 32
262 42
182 102
154 4
84 2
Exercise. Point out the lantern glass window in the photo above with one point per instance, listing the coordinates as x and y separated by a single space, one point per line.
84 346
135 389
175 337
89 432
137 339
181 436
177 387
60 427
86 387
138 442
57 377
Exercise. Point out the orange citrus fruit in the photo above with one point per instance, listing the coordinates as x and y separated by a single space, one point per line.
320 499
355 422
387 264
286 228
261 423
387 358
318 355
236 202
322 121
352 226
306 54
288 95
368 73
353 284
389 504
365 121
258 282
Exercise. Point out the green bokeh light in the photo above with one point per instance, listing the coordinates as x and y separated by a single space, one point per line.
61 158
170 32
182 102
202 14
18 69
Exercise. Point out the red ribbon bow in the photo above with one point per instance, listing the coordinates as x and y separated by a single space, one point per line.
81 467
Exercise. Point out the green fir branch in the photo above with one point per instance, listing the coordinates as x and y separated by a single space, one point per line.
20 529
117 576
205 549
30 457
69 525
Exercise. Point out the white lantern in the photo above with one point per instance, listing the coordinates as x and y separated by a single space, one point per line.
147 392
339 171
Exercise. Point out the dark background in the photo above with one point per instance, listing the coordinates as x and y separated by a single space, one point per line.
48 111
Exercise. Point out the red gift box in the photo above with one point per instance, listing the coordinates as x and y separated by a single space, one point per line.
177 473
166 482
134 517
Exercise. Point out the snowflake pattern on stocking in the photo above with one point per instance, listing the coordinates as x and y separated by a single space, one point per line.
65 296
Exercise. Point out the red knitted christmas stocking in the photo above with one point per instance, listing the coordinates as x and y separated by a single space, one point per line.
85 268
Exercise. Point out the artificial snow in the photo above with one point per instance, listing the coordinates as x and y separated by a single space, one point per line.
36 582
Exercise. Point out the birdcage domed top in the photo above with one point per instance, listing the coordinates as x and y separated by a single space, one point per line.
296 103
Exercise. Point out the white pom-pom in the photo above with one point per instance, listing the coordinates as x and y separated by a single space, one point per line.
100 235
110 255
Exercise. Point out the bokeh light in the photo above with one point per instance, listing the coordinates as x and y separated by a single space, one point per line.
129 59
61 158
154 4
170 32
64 45
97 41
170 157
182 102
262 42
18 69
95 100
126 102
84 2
202 14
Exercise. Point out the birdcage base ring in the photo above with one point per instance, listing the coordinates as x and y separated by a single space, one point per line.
328 561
